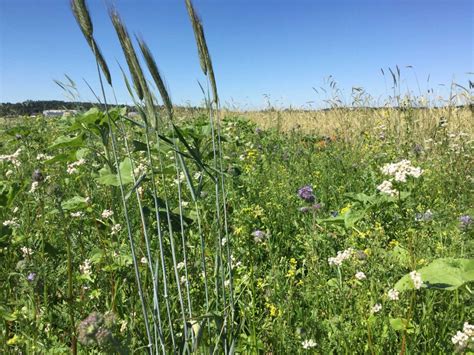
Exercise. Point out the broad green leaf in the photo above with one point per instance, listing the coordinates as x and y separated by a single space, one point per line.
75 203
68 142
108 178
401 324
443 274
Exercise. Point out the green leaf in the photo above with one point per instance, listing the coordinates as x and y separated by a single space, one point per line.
108 178
68 142
75 203
401 324
444 274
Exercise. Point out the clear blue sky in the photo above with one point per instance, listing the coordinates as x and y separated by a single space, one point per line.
281 48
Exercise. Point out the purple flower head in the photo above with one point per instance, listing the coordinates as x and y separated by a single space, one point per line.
31 276
306 194
465 221
258 236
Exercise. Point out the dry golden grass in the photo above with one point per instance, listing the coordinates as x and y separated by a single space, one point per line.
347 123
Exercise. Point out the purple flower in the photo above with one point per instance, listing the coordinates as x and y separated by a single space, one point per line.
258 236
31 276
465 221
306 194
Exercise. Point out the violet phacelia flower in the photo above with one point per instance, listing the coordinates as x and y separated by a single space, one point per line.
306 194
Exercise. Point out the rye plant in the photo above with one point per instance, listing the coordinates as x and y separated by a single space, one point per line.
168 300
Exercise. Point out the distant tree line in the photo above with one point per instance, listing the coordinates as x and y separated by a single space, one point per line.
30 107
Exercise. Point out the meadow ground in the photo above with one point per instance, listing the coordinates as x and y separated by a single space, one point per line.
345 231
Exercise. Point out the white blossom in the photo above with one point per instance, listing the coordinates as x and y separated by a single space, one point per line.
85 267
308 344
72 168
77 214
360 276
386 187
340 257
401 170
376 308
34 186
144 260
26 251
416 278
12 223
393 295
107 213
115 229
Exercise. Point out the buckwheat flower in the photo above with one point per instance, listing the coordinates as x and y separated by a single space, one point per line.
77 214
139 169
308 344
460 339
360 276
16 209
340 257
180 265
306 193
43 156
226 283
376 308
393 295
182 279
12 223
107 213
85 267
144 260
115 229
26 251
34 186
416 278
468 329
223 241
258 236
72 167
386 187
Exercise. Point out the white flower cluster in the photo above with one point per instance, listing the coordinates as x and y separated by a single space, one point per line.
139 169
360 276
416 278
34 186
462 338
308 344
115 229
85 267
401 170
42 156
107 213
77 214
12 223
376 308
72 168
26 251
340 257
393 295
386 187
12 158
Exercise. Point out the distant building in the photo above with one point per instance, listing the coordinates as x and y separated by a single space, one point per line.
58 113
132 114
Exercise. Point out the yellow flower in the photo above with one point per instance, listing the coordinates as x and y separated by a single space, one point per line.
14 340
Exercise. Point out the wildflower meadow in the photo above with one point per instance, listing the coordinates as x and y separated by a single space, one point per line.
212 231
